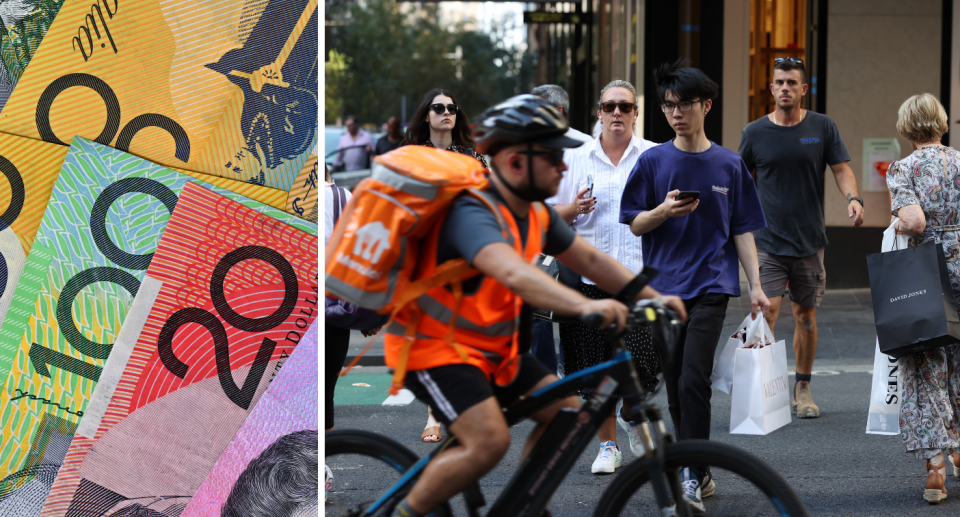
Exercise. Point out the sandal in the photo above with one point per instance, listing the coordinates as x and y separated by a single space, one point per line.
954 460
934 492
431 431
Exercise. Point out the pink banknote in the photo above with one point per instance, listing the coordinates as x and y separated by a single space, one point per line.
270 466
228 296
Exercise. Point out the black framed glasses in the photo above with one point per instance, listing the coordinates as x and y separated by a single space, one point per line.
440 108
685 106
555 156
625 107
796 60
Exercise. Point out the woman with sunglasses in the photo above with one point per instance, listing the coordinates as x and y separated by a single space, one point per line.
589 199
438 122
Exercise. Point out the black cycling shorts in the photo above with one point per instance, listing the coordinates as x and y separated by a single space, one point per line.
452 389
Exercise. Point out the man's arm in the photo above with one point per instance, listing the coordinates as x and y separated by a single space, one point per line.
610 275
502 263
649 220
747 253
847 183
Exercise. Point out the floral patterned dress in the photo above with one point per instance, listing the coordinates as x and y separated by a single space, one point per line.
930 397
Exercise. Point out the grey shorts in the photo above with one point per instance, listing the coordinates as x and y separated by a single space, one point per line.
806 275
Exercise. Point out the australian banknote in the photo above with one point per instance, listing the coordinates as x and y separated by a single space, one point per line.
228 296
103 222
23 23
303 197
281 430
224 87
29 169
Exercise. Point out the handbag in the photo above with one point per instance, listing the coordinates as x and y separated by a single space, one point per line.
561 273
340 313
913 304
761 395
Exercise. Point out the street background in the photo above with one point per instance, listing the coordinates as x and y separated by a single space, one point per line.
835 467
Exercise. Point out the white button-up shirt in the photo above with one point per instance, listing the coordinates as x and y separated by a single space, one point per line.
602 227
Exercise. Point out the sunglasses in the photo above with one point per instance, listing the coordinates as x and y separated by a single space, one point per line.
625 107
555 156
796 60
440 108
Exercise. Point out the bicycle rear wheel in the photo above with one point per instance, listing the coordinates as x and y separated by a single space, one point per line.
745 486
365 466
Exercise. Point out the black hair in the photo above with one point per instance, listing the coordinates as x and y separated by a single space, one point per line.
686 82
418 131
787 65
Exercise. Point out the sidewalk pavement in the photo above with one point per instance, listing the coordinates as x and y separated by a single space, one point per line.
845 330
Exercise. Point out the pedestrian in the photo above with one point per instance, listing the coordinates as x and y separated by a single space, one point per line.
787 152
925 195
695 249
355 147
439 122
559 98
589 199
392 139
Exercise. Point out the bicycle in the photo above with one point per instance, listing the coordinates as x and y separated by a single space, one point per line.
541 474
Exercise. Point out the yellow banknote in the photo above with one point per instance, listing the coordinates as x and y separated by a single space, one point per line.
224 87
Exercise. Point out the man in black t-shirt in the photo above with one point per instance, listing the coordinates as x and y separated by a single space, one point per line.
787 152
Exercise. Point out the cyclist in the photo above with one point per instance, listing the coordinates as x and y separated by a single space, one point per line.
524 136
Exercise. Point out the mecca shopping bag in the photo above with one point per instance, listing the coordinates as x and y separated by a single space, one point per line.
761 399
913 305
884 414
750 331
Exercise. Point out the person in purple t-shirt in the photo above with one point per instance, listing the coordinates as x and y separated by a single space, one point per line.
694 243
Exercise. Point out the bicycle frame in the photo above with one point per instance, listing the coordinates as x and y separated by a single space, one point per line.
571 431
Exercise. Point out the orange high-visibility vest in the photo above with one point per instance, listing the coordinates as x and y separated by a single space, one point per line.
444 326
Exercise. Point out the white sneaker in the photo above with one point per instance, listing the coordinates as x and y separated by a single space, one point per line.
608 460
633 432
327 481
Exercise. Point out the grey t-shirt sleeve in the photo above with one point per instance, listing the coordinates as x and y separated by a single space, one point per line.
559 235
470 226
836 151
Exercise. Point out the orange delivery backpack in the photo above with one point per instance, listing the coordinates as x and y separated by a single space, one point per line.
372 255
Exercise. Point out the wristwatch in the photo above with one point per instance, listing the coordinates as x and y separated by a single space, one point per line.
857 199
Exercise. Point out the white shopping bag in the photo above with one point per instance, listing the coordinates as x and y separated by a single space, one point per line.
884 414
751 331
761 394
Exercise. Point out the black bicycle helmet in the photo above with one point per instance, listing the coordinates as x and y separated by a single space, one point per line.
521 119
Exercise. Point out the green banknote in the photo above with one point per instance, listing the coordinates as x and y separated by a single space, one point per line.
102 225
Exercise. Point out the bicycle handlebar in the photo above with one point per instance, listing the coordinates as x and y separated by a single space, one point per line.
595 319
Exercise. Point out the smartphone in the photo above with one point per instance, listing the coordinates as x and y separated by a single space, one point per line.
589 186
688 194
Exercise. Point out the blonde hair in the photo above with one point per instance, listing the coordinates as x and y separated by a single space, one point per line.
921 119
617 83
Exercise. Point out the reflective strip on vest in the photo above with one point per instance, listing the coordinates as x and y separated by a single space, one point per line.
398 329
443 314
404 183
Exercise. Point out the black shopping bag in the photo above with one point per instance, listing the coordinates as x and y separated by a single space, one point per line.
913 304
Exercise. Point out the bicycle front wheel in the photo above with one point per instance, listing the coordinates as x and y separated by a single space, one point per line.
745 486
365 466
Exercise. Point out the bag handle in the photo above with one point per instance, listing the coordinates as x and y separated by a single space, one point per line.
338 201
758 329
